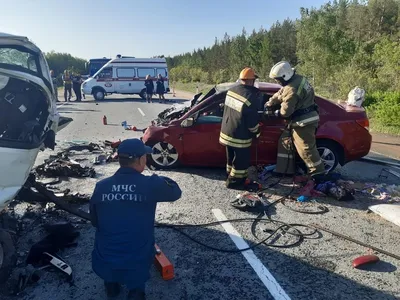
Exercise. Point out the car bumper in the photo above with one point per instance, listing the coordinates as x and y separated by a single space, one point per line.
18 163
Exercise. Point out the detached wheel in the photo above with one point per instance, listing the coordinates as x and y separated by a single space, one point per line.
98 95
164 156
143 94
329 155
8 256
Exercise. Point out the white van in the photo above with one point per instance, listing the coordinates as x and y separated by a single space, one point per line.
125 76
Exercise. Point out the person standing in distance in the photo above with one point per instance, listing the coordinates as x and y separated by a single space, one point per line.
122 209
240 124
149 88
297 106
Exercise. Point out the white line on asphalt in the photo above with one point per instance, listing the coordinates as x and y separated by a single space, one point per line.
262 272
141 111
61 104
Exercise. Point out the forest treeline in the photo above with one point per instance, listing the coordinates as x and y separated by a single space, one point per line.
338 46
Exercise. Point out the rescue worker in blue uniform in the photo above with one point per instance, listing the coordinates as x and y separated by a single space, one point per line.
122 209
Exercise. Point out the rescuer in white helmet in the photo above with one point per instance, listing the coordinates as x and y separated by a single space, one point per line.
295 102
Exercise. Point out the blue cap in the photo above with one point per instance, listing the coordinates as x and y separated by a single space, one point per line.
131 148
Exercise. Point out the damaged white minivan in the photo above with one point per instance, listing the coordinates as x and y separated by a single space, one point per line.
28 112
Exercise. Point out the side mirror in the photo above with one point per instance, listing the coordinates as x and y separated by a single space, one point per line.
187 122
97 77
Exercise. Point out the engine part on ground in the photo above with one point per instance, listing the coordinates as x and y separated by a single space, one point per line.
8 257
62 166
163 265
365 259
316 226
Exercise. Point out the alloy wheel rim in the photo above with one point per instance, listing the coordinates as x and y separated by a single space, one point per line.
164 154
327 157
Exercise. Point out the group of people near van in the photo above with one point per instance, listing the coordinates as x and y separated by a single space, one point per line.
70 81
160 88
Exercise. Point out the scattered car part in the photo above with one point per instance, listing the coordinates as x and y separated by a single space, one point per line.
316 226
62 165
59 264
247 201
390 212
8 257
27 276
365 259
52 198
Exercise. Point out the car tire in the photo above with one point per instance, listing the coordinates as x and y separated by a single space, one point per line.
8 257
143 94
98 94
164 156
329 153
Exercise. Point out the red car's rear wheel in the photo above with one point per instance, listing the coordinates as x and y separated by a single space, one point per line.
164 156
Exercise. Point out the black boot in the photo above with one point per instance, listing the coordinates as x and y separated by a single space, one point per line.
136 294
112 289
235 184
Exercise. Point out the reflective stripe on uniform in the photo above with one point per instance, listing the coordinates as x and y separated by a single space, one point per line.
238 173
284 155
258 135
233 103
238 98
228 168
307 121
300 89
230 141
255 128
313 165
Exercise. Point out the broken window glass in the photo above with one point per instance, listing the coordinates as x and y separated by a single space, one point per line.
15 57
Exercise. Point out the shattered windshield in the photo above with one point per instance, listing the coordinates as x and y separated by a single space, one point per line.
19 58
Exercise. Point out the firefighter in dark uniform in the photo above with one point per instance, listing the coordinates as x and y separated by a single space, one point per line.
296 100
122 209
239 127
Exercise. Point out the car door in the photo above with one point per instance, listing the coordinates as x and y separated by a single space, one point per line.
201 145
125 80
267 143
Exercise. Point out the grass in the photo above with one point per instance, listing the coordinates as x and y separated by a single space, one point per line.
378 128
192 87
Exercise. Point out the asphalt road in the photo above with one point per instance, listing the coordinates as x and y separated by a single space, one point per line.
318 268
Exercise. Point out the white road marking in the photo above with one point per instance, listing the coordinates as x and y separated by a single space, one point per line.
61 104
262 272
141 111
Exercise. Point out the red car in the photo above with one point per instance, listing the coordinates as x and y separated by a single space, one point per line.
189 136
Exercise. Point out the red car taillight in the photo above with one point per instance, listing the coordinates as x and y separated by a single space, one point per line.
363 123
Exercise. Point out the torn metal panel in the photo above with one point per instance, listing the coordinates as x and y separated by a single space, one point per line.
28 111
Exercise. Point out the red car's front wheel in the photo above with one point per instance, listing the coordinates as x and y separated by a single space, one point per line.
164 156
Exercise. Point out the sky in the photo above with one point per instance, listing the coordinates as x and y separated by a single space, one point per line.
139 28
